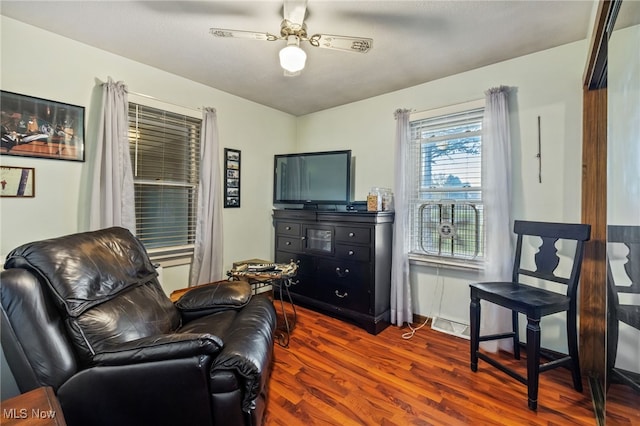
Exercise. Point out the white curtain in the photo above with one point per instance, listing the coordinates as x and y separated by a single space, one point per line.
112 194
496 182
207 257
401 309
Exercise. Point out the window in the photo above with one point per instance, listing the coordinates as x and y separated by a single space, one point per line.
165 155
447 213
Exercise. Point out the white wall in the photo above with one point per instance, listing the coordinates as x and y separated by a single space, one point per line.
546 84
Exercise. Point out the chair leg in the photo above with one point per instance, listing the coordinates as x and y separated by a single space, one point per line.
572 341
474 319
612 336
533 361
516 334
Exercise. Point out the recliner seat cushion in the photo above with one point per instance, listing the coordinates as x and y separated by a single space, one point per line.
142 311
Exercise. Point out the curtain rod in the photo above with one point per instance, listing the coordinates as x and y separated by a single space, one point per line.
163 101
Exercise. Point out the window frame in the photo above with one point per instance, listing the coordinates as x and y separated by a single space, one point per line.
176 254
425 259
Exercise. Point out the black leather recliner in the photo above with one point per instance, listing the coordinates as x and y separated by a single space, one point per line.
85 314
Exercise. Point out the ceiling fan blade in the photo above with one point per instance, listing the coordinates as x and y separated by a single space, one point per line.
294 11
350 44
225 33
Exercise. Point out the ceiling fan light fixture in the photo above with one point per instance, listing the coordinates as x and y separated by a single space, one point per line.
292 57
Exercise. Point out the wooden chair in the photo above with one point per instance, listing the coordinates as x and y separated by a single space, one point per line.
627 313
534 302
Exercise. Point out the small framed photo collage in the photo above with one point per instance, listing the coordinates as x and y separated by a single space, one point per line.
232 177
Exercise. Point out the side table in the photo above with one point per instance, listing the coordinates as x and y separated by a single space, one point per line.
280 278
39 407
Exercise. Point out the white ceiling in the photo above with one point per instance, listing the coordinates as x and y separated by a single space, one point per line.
413 41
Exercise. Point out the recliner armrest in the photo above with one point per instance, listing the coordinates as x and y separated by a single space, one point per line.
212 298
249 353
164 347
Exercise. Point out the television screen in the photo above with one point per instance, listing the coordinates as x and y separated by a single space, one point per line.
313 178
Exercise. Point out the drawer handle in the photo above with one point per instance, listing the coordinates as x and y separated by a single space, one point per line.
288 228
342 274
341 296
351 234
288 243
351 253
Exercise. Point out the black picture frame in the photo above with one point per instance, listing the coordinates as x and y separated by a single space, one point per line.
231 178
41 128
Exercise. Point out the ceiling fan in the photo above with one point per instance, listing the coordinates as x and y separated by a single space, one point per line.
294 30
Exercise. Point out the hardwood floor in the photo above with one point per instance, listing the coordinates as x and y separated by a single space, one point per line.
334 373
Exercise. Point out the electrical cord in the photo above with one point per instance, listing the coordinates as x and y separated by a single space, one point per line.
440 284
409 334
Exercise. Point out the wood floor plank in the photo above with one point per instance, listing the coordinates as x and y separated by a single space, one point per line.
334 373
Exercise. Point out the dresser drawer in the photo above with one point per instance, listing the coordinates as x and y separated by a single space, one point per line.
358 253
288 228
304 286
345 285
289 243
353 235
344 298
350 274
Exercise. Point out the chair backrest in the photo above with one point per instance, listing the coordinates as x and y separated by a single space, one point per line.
104 286
622 309
33 334
547 259
630 237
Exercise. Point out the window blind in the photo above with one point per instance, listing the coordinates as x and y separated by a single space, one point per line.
164 149
447 150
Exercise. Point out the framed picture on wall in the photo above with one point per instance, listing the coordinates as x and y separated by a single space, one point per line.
35 127
231 177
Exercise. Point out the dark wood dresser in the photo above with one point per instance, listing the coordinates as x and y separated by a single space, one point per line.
344 262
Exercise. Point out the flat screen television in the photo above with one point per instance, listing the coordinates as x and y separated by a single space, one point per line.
312 178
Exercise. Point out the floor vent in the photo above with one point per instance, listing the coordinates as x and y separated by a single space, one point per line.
450 327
